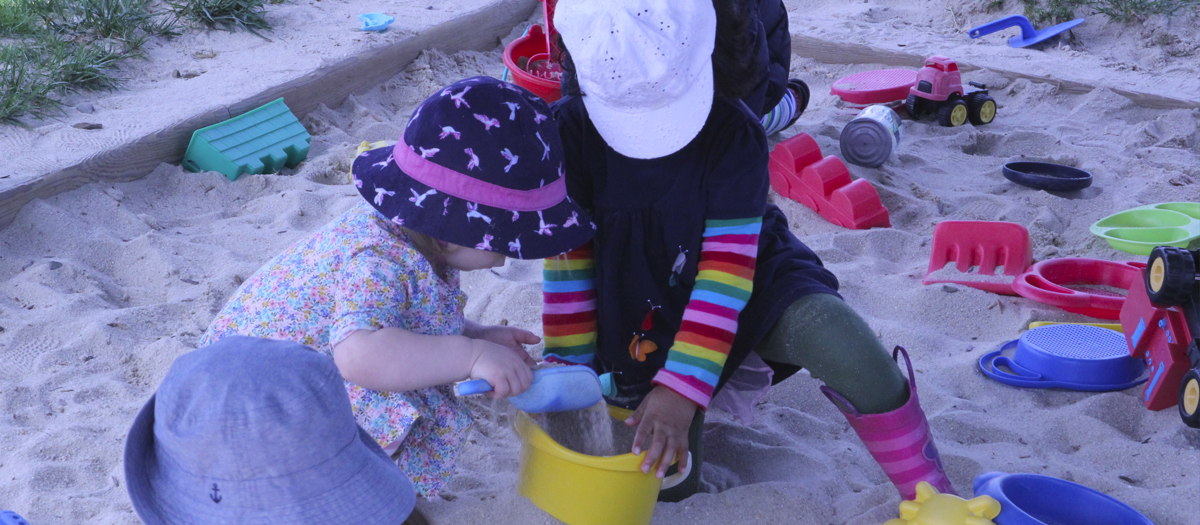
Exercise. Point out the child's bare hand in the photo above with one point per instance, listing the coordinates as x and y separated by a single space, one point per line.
664 417
509 336
508 374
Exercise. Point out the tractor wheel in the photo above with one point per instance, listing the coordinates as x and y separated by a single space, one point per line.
981 109
915 106
1189 399
953 112
1170 276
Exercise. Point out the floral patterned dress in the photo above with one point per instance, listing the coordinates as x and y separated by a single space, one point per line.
361 272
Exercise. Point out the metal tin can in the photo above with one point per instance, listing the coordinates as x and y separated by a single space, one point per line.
871 137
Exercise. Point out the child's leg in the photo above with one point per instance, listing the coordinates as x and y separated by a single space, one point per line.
789 109
821 333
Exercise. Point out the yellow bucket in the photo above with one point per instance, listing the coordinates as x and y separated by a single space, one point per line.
585 490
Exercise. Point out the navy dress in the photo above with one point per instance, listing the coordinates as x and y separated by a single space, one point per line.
648 211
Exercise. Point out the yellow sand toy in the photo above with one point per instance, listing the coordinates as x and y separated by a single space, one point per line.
932 508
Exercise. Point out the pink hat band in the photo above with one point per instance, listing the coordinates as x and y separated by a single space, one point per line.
474 190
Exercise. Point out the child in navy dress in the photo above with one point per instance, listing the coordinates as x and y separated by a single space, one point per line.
691 271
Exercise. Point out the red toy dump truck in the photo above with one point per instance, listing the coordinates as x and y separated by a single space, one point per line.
939 89
1161 321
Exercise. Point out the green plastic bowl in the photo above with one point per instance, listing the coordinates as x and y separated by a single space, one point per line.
1139 230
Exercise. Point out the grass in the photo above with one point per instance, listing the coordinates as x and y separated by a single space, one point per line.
229 15
1124 11
50 48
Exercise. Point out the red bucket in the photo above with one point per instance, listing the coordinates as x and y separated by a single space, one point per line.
533 43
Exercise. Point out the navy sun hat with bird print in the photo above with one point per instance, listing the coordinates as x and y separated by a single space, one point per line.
480 165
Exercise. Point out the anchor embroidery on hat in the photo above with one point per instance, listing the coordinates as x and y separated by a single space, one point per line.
486 244
426 153
379 193
516 216
512 108
398 220
474 162
458 98
510 87
473 211
446 206
419 198
488 122
449 130
538 117
215 494
515 246
512 159
546 147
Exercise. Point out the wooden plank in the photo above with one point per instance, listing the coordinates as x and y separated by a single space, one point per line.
329 85
130 161
849 53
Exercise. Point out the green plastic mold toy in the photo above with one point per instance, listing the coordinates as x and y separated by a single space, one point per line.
263 140
1140 229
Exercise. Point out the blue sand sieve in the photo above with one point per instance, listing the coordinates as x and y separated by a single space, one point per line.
1075 357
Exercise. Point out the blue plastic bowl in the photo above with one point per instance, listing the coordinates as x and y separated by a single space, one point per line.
1030 499
1074 357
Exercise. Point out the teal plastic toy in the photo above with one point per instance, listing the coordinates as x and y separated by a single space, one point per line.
263 140
1140 230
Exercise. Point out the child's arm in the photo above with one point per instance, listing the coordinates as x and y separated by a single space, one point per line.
723 285
397 360
569 306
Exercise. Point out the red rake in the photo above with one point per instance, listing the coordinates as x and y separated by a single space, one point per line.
978 249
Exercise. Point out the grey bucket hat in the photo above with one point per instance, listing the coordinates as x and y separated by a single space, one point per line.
254 431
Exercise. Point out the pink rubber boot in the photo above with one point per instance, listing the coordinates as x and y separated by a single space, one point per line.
899 440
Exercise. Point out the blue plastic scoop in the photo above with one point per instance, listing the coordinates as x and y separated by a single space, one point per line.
1029 36
553 390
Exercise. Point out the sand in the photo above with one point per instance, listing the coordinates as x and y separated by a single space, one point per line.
102 287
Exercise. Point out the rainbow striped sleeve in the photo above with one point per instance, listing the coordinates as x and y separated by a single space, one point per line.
723 287
569 306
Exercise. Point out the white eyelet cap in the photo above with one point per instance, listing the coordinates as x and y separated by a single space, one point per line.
645 68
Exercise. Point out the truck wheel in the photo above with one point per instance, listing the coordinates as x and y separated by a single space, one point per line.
981 109
953 112
1170 276
1189 399
914 106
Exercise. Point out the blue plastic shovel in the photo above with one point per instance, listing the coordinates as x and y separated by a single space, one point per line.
553 390
1029 36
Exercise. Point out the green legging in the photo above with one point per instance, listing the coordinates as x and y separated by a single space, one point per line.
820 333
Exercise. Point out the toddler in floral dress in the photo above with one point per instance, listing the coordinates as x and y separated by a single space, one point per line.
478 177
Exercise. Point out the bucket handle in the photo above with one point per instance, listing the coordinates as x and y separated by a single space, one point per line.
1020 375
678 477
